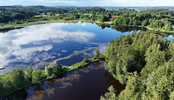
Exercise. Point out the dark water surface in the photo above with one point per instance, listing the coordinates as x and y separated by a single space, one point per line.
87 83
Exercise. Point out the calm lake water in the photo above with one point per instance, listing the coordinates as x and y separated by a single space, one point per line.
66 43
87 83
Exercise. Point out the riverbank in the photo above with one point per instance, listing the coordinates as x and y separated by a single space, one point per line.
65 69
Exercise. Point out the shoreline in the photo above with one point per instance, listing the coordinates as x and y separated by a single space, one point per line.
14 26
7 26
73 67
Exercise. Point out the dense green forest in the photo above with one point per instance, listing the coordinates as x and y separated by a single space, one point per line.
154 19
159 19
24 15
144 62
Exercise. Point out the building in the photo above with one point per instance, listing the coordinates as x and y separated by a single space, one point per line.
115 16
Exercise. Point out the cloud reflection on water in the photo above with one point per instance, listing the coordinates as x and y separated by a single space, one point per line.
101 49
66 81
36 38
28 54
46 32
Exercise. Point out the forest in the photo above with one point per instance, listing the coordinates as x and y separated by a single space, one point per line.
144 62
23 15
153 19
158 19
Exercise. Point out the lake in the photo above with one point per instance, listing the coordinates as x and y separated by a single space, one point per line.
66 43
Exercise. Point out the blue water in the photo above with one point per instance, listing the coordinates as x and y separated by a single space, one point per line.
67 43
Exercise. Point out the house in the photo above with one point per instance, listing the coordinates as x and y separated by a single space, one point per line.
115 16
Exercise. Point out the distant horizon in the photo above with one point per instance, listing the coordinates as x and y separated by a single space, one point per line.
82 3
84 6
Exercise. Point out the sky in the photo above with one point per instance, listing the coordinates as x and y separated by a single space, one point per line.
88 2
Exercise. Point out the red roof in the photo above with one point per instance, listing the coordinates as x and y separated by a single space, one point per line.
115 16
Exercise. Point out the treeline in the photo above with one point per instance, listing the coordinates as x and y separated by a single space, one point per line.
68 16
94 14
144 62
99 10
17 79
159 11
158 19
93 10
145 19
27 7
8 15
153 18
69 8
72 8
75 16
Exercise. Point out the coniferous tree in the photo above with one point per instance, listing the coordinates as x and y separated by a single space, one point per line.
28 73
37 76
97 54
16 78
